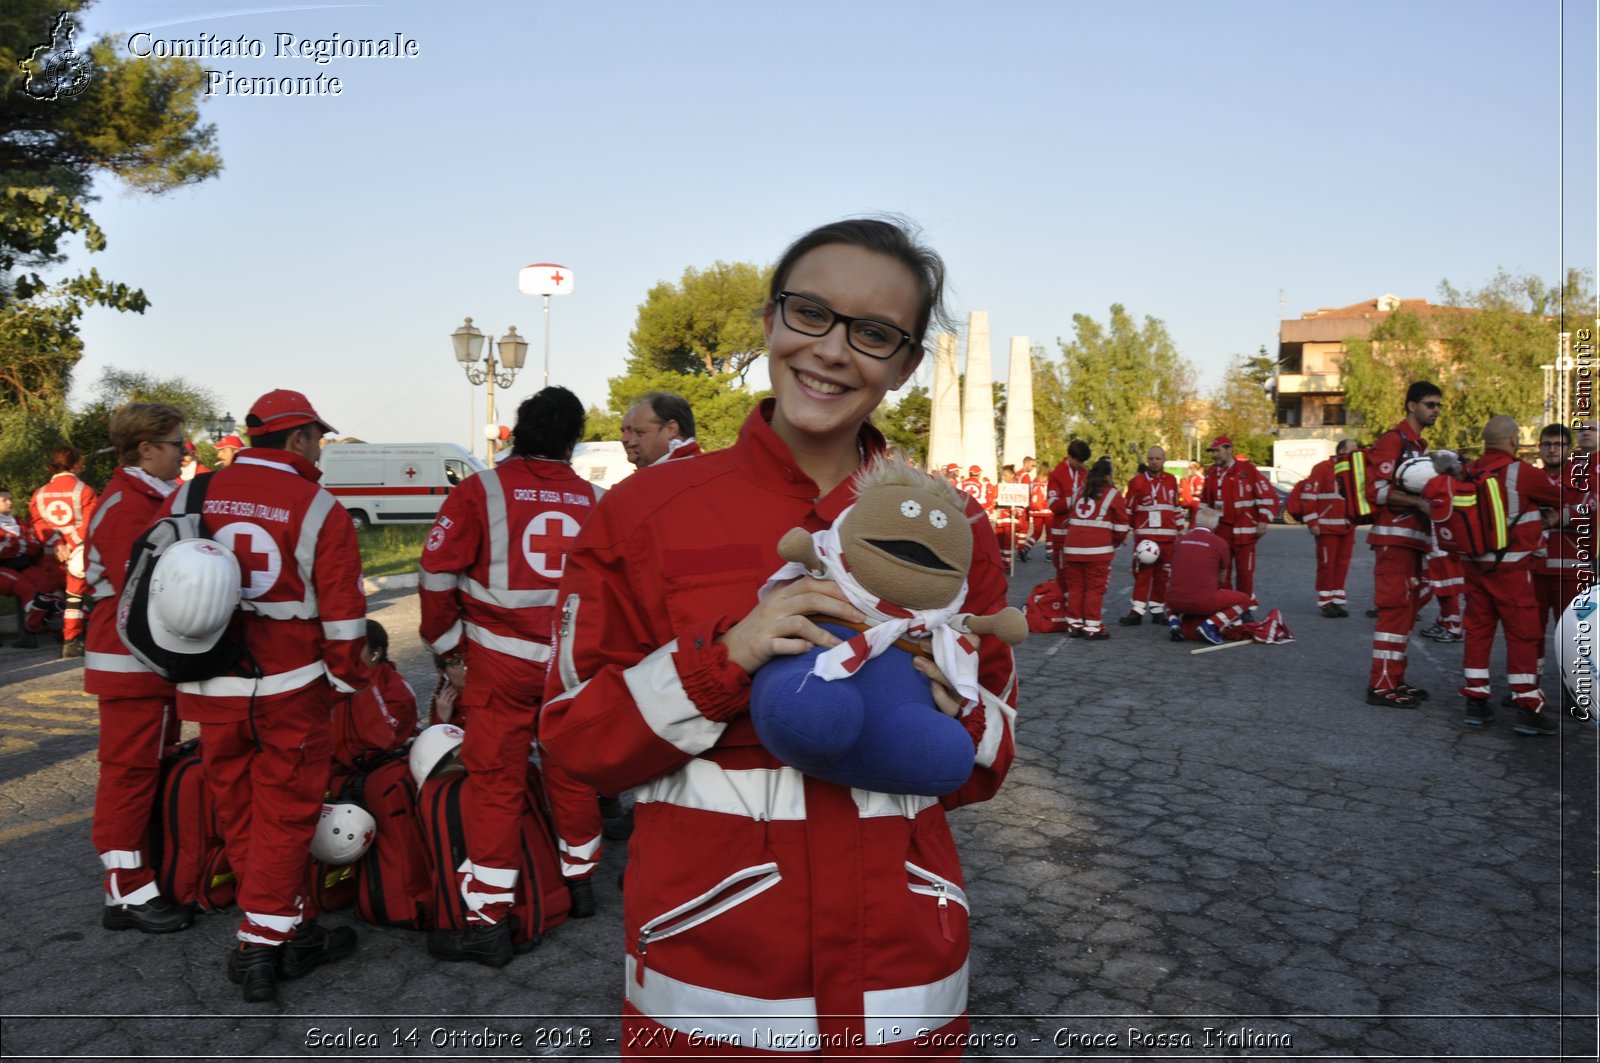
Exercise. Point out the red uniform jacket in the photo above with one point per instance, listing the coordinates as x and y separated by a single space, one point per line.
1569 546
1527 487
1392 526
850 897
61 510
1326 512
493 560
129 506
1095 527
1153 506
1189 489
305 613
1200 560
1242 495
18 542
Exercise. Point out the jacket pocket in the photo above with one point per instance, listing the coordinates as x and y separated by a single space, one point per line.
726 895
926 883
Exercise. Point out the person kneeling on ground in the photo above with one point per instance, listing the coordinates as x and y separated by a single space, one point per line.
1200 605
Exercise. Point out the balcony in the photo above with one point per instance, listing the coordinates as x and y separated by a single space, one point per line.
1310 384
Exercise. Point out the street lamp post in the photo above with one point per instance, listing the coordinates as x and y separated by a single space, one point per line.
469 345
220 427
545 279
1190 433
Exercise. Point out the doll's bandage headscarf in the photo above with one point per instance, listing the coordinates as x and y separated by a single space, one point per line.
955 653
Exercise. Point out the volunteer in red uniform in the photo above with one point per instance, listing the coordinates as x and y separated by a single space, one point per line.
1446 584
1038 511
1003 518
227 449
657 428
1154 512
191 463
1189 489
1500 587
1066 480
60 511
23 573
1327 515
1097 524
1200 604
1401 537
265 740
138 716
1559 577
973 484
753 890
1245 504
489 575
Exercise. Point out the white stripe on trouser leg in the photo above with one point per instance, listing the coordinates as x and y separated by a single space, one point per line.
1523 678
126 860
502 881
283 924
579 861
115 858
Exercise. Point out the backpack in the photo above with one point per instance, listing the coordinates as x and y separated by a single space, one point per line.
186 846
365 723
542 900
394 879
1478 521
1046 610
133 608
1351 471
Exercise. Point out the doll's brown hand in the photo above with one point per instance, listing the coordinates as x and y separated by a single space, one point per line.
945 698
779 626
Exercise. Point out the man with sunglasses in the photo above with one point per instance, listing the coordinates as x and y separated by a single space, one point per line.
1400 539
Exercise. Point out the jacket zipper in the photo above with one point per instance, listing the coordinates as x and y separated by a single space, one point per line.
943 889
710 904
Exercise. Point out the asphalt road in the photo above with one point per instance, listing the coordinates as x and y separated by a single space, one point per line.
1223 855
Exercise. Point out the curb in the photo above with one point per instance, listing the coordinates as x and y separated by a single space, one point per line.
403 581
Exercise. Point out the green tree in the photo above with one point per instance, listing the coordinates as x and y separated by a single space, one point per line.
708 323
907 424
67 114
1242 407
117 388
1049 406
1483 348
1126 385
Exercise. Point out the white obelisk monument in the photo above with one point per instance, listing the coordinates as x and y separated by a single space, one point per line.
977 399
1019 404
944 420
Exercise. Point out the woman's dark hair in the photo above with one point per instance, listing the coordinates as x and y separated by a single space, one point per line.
891 236
549 424
64 459
378 640
1098 480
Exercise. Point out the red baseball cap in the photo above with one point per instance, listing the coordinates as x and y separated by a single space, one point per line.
952 467
229 443
278 411
1220 441
975 470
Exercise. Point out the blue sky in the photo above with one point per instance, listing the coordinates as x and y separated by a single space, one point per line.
1190 161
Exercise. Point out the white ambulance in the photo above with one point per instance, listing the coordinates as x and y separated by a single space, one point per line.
395 483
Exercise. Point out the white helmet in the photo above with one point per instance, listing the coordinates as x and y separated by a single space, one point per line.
194 590
1414 473
344 833
1146 552
436 751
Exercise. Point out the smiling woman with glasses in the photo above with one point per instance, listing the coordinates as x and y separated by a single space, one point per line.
776 909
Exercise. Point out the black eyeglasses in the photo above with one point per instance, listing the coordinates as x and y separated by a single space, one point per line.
875 339
166 442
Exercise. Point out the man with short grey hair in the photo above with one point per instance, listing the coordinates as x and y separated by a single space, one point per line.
659 427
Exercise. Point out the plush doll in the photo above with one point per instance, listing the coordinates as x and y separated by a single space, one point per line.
860 714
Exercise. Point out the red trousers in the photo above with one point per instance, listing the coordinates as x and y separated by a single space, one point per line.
496 750
133 732
1243 574
24 585
1223 609
269 800
1504 598
1085 589
1333 565
1150 581
1397 593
